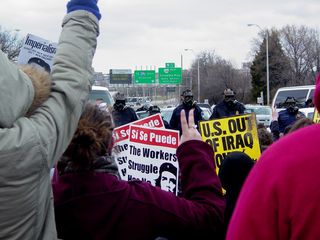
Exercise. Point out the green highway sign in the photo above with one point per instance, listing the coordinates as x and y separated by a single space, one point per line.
145 76
170 75
120 76
170 65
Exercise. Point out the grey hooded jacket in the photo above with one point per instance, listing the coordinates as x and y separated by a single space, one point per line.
29 147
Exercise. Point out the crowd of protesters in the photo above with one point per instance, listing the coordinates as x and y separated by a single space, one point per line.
50 124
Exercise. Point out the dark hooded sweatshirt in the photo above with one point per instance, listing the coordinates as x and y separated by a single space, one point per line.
234 169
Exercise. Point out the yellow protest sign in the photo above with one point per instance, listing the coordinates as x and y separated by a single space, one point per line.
316 117
237 133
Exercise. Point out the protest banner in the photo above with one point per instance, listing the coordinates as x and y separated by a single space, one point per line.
121 140
36 50
152 157
237 133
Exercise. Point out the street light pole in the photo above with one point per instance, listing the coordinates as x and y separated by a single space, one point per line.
181 62
189 49
267 59
198 81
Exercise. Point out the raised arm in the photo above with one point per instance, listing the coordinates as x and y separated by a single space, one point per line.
30 146
57 119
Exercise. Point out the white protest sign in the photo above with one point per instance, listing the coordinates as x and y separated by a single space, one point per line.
121 140
152 157
36 50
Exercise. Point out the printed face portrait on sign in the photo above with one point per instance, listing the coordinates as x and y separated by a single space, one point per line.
152 157
39 63
167 179
38 52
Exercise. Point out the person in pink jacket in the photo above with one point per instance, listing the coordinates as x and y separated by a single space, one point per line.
91 202
280 198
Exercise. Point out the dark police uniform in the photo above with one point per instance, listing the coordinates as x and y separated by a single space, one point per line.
122 117
222 109
287 118
175 118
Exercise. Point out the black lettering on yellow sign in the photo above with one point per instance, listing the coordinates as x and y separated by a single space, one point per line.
213 142
216 126
206 129
219 158
239 125
237 141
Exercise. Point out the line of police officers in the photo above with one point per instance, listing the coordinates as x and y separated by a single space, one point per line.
228 106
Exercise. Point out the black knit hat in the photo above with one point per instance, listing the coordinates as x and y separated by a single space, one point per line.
234 169
168 167
40 62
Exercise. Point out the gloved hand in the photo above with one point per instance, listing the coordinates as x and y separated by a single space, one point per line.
88 5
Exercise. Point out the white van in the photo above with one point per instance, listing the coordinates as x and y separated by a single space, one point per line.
300 93
101 93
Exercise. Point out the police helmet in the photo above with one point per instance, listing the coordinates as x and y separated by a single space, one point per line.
290 100
119 97
154 109
187 93
228 92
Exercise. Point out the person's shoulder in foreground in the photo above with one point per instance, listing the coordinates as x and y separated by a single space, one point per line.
280 198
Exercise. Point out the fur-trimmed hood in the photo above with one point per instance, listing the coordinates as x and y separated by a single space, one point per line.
26 86
41 82
15 86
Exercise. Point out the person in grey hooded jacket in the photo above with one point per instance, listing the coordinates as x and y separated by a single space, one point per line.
33 138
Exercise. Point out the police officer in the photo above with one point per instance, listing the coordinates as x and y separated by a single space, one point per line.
121 113
187 104
285 118
229 106
154 110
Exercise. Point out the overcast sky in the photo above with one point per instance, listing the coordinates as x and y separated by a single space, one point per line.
144 33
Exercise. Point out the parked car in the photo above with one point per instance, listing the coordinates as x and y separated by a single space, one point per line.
204 105
308 112
142 114
166 113
101 94
206 113
263 113
300 93
212 107
138 102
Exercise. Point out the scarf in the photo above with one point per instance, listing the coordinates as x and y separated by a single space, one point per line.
105 164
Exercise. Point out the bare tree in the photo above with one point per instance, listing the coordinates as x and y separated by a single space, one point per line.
216 74
313 53
10 43
302 46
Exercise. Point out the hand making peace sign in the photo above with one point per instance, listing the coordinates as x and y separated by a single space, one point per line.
189 129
